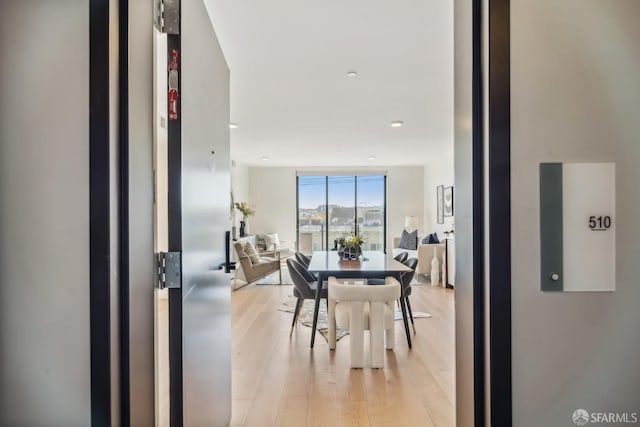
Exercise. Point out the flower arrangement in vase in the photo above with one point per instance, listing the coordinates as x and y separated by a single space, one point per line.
350 247
246 212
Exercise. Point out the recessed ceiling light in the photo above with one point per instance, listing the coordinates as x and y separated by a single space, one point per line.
397 124
352 73
233 125
265 158
371 157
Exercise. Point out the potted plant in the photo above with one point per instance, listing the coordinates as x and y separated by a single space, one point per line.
246 212
350 247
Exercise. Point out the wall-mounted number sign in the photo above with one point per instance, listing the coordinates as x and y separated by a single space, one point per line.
599 223
577 227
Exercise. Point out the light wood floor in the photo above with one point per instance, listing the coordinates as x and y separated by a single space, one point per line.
278 381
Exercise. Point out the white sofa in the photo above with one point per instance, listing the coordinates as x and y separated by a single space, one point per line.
424 253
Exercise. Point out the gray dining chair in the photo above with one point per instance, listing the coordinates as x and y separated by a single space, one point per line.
412 263
401 257
304 287
303 259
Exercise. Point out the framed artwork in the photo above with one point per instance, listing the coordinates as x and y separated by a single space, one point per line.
440 198
448 201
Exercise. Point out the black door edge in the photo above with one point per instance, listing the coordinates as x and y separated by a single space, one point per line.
478 217
500 213
123 194
99 223
174 131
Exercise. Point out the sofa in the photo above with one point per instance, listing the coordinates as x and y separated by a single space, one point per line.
424 253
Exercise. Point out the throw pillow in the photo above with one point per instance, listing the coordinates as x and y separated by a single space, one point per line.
430 238
252 253
409 240
272 242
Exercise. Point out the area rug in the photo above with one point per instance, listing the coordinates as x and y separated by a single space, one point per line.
274 278
306 315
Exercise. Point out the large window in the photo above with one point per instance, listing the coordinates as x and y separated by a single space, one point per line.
339 205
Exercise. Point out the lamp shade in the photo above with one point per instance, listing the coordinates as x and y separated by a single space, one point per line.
411 222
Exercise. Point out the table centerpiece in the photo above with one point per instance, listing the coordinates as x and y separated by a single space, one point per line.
350 248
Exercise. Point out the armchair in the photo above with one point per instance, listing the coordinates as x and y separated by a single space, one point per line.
360 307
252 266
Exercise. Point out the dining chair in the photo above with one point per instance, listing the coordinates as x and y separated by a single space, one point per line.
401 257
303 259
304 287
406 279
360 307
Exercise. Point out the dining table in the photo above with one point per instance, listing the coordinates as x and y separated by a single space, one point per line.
369 265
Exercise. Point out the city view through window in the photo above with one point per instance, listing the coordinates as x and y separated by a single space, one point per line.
330 207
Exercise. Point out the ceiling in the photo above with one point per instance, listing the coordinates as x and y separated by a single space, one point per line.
293 101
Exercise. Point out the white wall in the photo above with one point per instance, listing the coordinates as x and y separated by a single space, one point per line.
575 97
437 171
272 192
44 214
405 187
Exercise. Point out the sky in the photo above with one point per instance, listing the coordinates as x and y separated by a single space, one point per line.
311 192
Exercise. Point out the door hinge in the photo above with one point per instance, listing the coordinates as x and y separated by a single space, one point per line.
168 270
167 16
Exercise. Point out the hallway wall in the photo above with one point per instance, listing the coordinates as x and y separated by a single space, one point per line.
44 214
575 97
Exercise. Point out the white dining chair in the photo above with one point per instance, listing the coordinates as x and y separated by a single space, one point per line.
360 307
